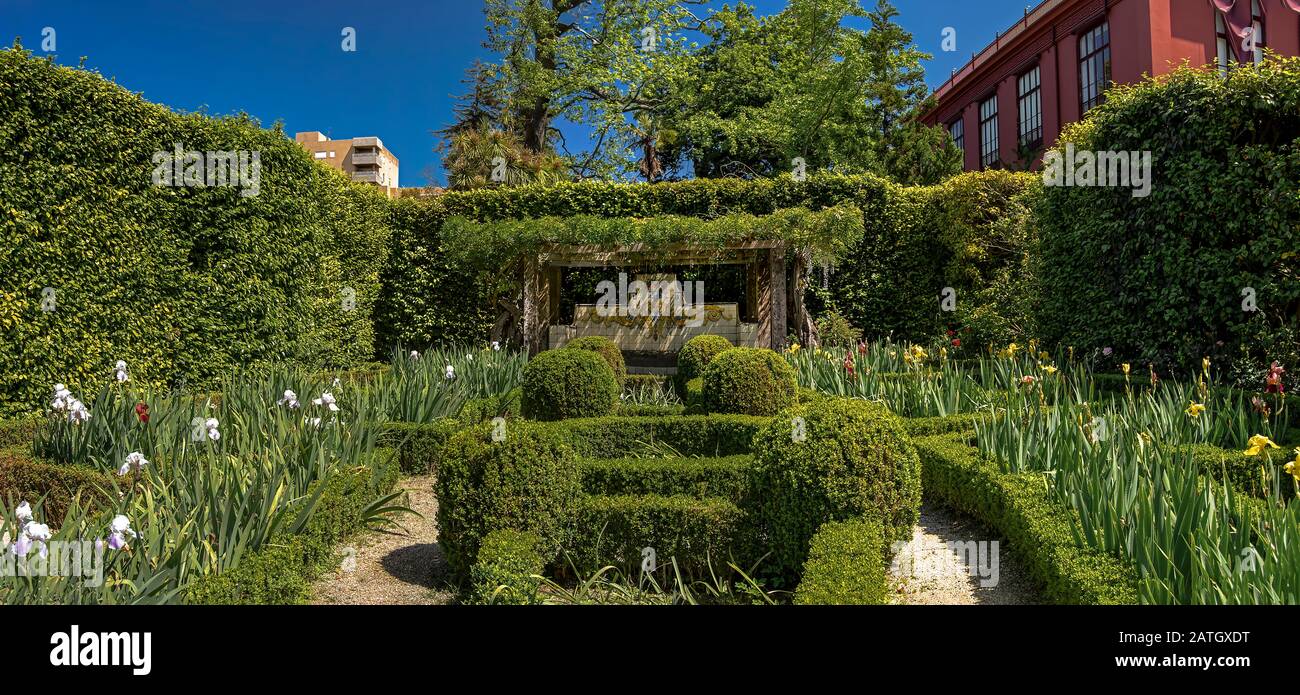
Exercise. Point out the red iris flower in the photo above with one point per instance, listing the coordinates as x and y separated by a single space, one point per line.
956 342
848 364
142 411
1273 382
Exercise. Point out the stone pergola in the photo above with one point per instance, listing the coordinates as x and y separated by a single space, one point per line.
765 281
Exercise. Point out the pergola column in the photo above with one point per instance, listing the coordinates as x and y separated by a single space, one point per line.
777 299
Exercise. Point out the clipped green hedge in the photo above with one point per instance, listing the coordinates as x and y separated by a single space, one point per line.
607 350
527 482
562 384
845 565
1249 475
831 460
281 572
614 530
1039 531
507 569
929 426
725 477
689 435
19 432
419 446
201 279
24 479
1161 278
749 381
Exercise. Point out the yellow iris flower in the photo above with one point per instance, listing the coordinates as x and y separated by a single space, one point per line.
1293 468
1126 366
1195 409
1258 443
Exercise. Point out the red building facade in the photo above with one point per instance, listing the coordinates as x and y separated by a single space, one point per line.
1055 64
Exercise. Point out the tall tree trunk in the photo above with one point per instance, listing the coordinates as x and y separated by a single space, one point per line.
803 322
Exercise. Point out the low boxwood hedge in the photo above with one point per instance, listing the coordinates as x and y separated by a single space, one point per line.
526 482
614 530
929 426
725 477
688 435
23 478
507 569
1249 475
831 460
281 572
749 381
1038 529
845 565
562 384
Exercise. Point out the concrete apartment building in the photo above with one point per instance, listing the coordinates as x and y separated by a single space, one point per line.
1056 63
364 159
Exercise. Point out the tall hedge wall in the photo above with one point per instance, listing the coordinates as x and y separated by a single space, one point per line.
1161 278
182 283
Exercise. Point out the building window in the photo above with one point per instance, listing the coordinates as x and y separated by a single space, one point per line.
1094 66
957 129
989 132
1224 48
320 155
331 154
1029 98
1257 29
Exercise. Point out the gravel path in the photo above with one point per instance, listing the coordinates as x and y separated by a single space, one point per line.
951 561
395 566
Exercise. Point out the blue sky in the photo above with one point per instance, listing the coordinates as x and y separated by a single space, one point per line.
281 59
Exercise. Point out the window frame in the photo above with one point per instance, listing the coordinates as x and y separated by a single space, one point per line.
959 136
1098 57
1031 113
989 156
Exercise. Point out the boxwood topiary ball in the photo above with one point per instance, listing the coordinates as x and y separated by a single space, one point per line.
607 350
749 381
561 384
696 354
832 460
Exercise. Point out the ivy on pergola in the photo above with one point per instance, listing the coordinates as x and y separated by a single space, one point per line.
540 247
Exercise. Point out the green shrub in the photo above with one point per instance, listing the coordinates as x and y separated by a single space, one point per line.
835 331
690 435
694 397
844 460
526 482
697 532
927 426
25 479
695 355
749 381
1161 278
845 565
1249 475
644 380
419 446
649 410
726 477
561 384
607 350
203 279
1042 531
507 569
18 432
